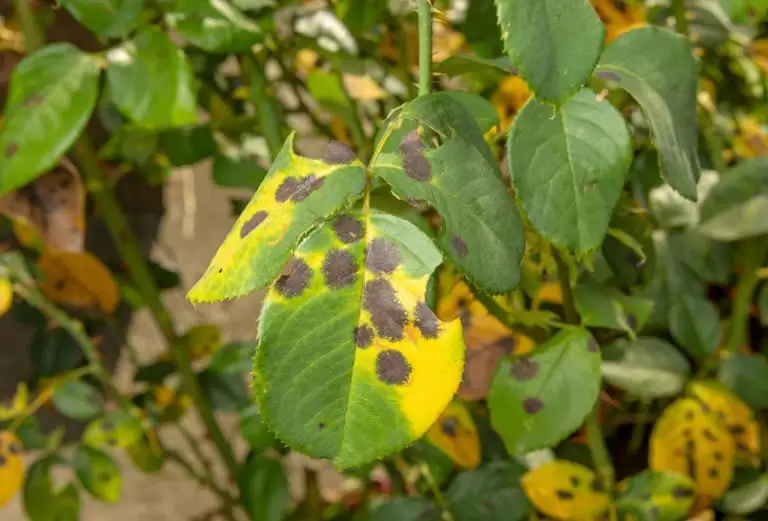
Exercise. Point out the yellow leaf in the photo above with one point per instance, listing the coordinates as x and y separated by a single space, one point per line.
455 433
445 41
733 414
509 98
565 490
619 18
751 139
548 292
363 88
78 279
11 466
306 61
6 295
688 440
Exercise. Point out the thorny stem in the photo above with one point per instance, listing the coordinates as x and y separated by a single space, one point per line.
425 47
126 244
681 19
595 437
753 251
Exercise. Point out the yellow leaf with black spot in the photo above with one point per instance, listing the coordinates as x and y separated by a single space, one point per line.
78 279
692 442
352 364
6 295
656 495
734 414
455 433
565 490
296 194
11 466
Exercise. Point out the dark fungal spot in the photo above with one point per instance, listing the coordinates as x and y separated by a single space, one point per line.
449 426
575 481
3 460
524 369
686 433
532 405
387 314
737 430
718 455
507 345
392 368
426 321
608 75
459 245
11 150
689 415
338 153
363 336
107 426
321 426
690 458
253 223
632 321
382 256
709 435
33 100
112 442
348 229
104 477
415 164
294 279
339 269
681 492
742 447
298 189
592 345
566 495
714 472
597 485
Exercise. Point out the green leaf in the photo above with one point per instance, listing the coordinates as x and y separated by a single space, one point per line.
568 168
463 64
657 68
747 376
234 358
54 351
479 108
602 306
264 488
554 43
360 15
51 97
737 206
482 232
146 453
151 81
214 25
42 502
709 259
236 172
254 430
225 391
98 473
328 90
646 368
490 493
695 324
745 499
406 509
155 372
107 18
537 400
116 428
347 340
297 193
78 400
672 210
656 496
189 145
480 29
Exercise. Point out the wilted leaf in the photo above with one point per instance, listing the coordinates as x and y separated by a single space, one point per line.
347 339
656 496
108 18
98 473
54 205
78 279
565 490
747 376
296 194
52 94
214 25
657 68
569 167
537 400
690 441
6 295
482 232
554 44
11 466
77 399
455 434
490 493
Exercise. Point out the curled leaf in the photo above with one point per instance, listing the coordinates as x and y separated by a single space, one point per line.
455 433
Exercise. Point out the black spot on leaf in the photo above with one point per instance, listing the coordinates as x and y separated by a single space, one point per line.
737 430
459 245
348 229
524 369
709 435
507 345
253 223
392 368
532 405
681 492
11 150
415 164
339 269
363 336
714 472
718 455
104 477
321 426
3 461
298 189
449 426
382 256
426 321
593 346
295 278
597 485
338 153
565 495
575 481
387 314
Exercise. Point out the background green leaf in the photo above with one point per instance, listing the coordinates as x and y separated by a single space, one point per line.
77 399
490 493
215 26
747 376
43 502
264 488
406 509
108 18
98 473
695 324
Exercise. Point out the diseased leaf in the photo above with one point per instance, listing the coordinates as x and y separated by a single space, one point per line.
51 97
656 496
568 168
116 428
98 473
146 453
482 232
537 400
490 493
214 25
555 44
347 339
565 490
78 279
297 194
108 18
455 434
747 376
657 68
11 466
690 441
151 81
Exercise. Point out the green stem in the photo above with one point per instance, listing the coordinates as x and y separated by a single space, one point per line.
33 36
681 19
571 316
425 47
753 252
271 122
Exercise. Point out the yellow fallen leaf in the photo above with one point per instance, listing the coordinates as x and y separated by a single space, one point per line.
6 295
78 279
11 466
455 434
363 88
